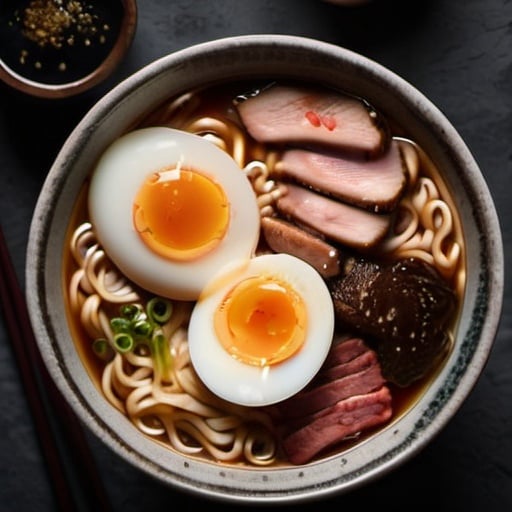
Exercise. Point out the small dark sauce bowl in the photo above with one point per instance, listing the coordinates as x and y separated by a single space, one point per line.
85 54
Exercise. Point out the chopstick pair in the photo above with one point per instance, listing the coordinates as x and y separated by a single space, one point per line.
71 465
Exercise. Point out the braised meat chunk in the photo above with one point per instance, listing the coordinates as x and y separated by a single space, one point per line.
282 236
404 306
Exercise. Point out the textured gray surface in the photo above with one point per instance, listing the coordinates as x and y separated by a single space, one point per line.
459 54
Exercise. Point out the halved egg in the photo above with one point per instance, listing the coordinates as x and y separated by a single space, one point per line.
261 329
170 208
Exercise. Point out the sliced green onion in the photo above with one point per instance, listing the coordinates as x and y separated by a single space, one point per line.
101 347
142 328
120 325
159 310
123 342
130 311
162 355
135 329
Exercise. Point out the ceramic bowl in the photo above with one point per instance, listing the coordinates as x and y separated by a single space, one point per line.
67 57
277 57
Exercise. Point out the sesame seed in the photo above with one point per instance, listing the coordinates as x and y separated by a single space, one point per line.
57 24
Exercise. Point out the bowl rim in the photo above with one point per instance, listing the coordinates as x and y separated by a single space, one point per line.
295 486
63 90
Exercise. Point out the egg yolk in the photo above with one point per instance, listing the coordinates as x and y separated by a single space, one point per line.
181 214
261 321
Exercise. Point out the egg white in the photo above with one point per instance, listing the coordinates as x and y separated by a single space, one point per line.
247 384
119 174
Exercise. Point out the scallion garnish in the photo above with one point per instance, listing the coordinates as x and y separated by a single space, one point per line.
123 342
131 311
142 328
120 324
159 310
161 354
101 347
139 327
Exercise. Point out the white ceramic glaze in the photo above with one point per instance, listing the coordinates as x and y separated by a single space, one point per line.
268 56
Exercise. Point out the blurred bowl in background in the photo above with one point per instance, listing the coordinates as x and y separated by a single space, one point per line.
58 49
349 3
446 181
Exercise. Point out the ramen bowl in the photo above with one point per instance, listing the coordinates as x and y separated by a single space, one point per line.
251 451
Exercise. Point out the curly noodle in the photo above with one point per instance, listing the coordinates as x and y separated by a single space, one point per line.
179 408
425 225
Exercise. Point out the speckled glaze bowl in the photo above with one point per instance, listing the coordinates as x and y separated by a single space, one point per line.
249 57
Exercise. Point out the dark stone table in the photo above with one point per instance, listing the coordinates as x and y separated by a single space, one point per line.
459 54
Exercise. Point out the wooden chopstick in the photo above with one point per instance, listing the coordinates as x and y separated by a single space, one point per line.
71 465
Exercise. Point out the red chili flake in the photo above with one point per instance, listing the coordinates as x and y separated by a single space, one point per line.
329 122
313 118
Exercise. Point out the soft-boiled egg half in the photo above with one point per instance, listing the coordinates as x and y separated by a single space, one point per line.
170 208
261 329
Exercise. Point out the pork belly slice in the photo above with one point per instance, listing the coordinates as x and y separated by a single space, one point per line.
405 306
281 236
376 185
346 418
340 222
319 397
313 116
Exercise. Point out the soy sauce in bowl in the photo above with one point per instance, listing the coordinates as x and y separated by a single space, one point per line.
50 46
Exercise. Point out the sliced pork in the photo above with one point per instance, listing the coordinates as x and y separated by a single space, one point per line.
346 397
346 418
310 116
283 237
405 306
344 350
359 363
375 185
340 222
325 395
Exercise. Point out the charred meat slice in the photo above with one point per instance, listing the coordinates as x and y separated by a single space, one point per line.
375 185
350 225
281 236
405 306
310 116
